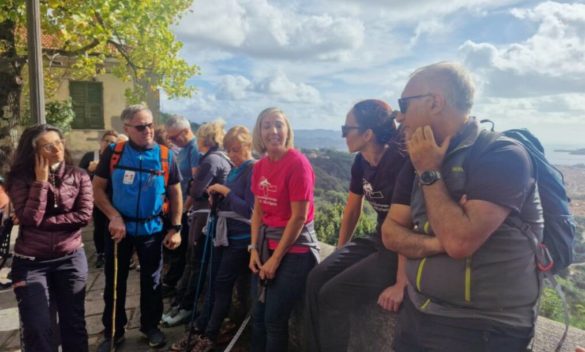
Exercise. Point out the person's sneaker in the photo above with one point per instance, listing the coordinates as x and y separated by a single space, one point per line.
174 310
156 338
99 262
105 345
182 316
204 344
181 345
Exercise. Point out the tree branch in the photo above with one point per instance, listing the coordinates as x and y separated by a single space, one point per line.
75 52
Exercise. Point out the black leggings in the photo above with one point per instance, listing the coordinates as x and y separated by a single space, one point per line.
349 278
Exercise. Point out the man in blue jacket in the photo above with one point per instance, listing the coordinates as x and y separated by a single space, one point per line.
133 182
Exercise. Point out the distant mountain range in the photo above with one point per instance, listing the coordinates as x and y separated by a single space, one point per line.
319 139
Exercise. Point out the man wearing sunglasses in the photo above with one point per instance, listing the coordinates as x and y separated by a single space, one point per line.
180 134
130 186
473 283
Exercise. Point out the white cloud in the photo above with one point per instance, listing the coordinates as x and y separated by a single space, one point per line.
551 61
280 87
316 58
257 28
232 87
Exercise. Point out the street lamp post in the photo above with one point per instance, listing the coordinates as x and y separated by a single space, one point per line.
35 61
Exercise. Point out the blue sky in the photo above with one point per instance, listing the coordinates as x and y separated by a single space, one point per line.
316 58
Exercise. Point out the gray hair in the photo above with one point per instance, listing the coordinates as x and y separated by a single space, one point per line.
454 80
129 112
178 122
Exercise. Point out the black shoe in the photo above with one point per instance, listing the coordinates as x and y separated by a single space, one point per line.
107 343
156 338
99 262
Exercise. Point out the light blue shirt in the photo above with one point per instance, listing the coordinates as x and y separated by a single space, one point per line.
188 158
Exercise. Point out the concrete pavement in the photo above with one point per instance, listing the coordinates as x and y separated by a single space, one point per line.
9 322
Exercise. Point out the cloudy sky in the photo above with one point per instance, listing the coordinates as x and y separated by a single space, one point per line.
316 58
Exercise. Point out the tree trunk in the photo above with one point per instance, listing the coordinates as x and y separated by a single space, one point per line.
10 75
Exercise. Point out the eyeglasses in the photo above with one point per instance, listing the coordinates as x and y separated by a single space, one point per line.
141 128
403 102
345 129
49 147
175 136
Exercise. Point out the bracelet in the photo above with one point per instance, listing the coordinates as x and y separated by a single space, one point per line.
117 216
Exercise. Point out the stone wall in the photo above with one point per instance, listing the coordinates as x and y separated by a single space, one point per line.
372 329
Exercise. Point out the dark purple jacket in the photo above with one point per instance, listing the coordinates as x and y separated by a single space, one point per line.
46 231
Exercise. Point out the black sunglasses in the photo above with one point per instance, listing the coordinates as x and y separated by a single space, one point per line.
403 102
345 130
141 128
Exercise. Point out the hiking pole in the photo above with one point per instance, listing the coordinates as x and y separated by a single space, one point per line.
201 278
115 298
238 333
197 292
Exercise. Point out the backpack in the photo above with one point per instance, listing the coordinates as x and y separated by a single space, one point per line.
164 158
555 252
559 223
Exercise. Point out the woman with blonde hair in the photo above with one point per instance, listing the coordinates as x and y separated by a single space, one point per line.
213 168
283 246
232 235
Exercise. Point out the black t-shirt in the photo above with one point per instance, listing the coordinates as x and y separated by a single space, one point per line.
501 175
103 168
377 183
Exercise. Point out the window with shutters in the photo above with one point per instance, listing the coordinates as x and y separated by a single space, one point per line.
88 104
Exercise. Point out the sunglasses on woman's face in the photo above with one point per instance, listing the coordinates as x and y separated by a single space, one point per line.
345 129
141 128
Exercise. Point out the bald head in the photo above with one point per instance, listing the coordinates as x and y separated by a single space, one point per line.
449 79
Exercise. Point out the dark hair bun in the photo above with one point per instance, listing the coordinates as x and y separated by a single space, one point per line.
378 116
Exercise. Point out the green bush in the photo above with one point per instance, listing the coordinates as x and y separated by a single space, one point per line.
60 114
57 113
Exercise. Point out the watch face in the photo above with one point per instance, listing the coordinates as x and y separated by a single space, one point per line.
429 177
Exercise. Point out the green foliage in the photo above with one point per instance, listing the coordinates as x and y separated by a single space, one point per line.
332 172
551 305
60 114
57 113
132 40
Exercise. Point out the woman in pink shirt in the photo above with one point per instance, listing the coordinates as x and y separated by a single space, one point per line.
284 244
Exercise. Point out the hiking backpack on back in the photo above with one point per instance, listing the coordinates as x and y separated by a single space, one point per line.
559 223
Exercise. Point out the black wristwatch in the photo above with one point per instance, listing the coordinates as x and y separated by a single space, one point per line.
429 177
177 228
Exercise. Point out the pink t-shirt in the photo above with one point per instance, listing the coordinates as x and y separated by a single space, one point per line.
276 184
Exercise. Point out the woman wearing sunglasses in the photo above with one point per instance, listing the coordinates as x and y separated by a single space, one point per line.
52 200
361 270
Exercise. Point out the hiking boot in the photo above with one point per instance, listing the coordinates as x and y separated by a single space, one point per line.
105 345
181 345
204 344
181 317
156 338
99 262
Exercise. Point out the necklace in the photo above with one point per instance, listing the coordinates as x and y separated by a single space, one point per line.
55 190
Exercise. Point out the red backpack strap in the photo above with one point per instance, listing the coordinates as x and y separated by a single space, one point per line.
164 159
116 155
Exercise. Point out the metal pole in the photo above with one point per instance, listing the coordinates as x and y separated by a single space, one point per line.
35 61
